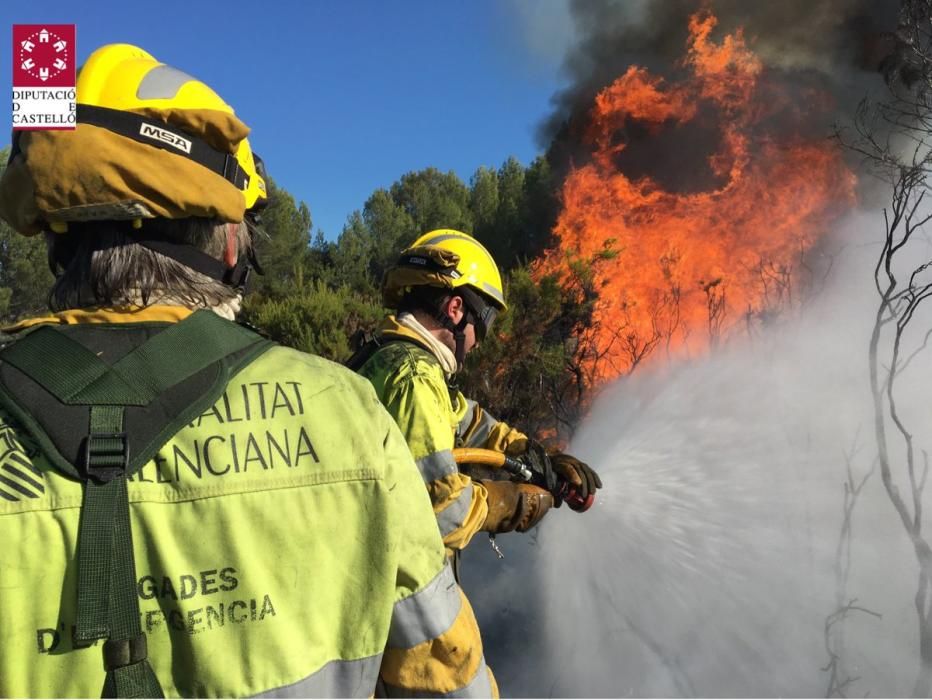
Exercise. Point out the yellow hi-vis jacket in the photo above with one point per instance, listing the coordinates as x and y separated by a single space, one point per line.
284 546
410 383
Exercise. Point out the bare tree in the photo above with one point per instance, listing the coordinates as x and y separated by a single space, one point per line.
895 137
776 281
904 477
839 681
671 299
839 678
715 305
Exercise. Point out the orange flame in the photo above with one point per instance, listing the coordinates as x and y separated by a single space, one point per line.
691 265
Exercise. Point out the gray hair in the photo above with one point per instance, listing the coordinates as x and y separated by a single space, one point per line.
99 264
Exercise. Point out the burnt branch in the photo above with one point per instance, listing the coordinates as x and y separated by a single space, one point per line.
839 681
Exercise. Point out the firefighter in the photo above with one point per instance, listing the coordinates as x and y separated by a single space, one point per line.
186 507
447 290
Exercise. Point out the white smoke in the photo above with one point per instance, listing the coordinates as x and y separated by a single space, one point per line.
545 28
707 566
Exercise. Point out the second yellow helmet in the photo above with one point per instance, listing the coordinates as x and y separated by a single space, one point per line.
449 259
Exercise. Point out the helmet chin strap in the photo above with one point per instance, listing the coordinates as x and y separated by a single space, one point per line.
233 270
459 333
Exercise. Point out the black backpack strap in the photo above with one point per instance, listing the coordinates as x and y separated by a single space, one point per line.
108 607
367 344
364 344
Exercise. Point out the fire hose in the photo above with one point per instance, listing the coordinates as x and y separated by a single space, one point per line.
564 489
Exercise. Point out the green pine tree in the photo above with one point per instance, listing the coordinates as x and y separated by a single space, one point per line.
25 278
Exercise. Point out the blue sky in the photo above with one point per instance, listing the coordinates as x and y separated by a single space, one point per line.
345 97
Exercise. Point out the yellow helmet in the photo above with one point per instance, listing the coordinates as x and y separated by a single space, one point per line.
453 260
150 141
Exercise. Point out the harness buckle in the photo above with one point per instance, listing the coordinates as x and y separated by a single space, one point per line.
124 652
106 455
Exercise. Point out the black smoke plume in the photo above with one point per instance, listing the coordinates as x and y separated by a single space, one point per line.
834 47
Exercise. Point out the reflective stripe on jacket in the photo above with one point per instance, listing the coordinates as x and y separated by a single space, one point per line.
410 382
284 547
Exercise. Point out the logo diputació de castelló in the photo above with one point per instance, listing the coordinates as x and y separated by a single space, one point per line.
43 76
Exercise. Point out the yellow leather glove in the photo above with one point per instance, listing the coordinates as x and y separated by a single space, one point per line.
514 506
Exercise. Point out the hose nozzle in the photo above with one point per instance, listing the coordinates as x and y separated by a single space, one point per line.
564 490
